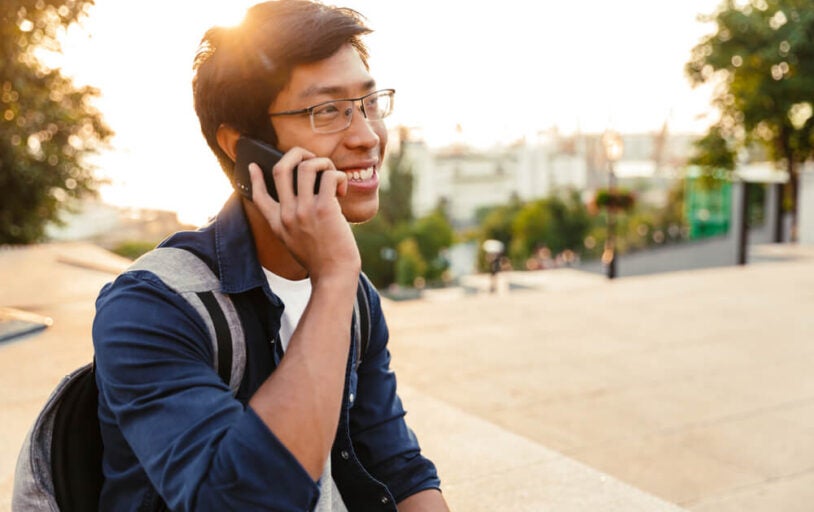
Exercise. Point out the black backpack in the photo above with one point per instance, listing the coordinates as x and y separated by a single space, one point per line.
60 465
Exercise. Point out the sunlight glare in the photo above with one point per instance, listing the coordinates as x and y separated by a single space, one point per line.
226 14
565 70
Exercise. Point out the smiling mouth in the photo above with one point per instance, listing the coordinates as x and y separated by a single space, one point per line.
360 175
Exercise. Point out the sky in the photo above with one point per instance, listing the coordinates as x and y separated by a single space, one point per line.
498 70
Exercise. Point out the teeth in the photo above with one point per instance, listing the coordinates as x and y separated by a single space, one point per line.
364 174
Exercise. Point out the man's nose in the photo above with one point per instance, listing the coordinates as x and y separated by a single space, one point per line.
361 130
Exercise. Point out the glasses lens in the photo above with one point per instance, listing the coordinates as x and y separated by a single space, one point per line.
378 105
333 116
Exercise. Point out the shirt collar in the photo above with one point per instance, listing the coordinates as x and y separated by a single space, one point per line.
236 253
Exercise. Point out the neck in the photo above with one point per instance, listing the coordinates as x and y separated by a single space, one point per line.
271 251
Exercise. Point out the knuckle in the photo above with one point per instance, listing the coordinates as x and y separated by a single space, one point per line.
288 218
277 170
301 214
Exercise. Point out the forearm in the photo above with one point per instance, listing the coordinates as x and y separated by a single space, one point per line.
430 500
301 400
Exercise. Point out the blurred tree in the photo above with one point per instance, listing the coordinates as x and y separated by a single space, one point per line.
378 239
713 152
396 247
531 228
396 200
558 222
377 247
572 220
47 125
433 234
496 224
762 56
410 265
673 212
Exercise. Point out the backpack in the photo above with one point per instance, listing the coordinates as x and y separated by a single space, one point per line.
60 464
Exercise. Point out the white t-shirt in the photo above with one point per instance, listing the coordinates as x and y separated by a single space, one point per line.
295 296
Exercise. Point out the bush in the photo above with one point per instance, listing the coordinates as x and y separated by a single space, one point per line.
410 264
132 249
618 199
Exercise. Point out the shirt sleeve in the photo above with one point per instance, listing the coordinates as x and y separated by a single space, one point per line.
200 448
381 438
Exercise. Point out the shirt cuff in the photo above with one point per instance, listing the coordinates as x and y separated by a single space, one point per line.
254 466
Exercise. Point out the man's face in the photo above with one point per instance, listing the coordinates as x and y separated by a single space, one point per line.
359 150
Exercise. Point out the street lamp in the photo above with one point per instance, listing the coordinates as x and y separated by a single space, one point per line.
614 147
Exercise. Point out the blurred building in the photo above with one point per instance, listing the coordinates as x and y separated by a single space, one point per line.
467 180
108 225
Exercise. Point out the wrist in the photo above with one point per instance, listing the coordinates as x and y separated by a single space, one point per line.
339 279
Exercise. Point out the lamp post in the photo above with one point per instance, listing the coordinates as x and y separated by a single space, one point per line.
614 147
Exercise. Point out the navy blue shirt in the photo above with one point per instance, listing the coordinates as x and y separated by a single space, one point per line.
174 434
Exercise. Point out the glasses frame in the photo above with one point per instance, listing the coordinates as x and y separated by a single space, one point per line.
310 110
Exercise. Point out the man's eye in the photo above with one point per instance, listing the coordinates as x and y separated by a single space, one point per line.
325 111
372 106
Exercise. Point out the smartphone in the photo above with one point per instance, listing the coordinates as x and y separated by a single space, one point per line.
266 156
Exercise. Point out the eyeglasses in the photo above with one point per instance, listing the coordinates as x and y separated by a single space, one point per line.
336 115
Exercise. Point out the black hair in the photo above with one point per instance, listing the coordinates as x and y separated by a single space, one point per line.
240 70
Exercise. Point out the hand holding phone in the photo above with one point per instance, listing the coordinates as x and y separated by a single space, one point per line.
266 156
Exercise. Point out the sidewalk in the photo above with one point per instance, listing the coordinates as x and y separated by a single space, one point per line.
567 393
58 282
696 387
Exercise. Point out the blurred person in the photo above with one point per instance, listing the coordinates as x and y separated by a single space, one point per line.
295 75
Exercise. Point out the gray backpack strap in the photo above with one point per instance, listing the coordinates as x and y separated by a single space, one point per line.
191 278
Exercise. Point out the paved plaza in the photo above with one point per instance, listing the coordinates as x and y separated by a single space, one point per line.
563 391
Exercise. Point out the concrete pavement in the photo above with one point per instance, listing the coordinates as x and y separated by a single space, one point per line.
58 282
696 387
574 393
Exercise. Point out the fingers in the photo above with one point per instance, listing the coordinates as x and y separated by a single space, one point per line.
306 165
260 197
333 183
307 172
283 172
293 207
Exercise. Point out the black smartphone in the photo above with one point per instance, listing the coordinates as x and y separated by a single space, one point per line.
266 156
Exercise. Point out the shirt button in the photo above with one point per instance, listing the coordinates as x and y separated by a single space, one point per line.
351 398
344 454
385 500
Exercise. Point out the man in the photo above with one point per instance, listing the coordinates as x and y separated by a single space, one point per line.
307 430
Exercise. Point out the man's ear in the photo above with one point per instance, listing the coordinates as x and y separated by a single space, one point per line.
227 139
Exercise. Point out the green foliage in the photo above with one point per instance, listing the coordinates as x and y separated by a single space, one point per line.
713 151
496 223
410 265
433 234
562 223
47 125
377 247
132 249
673 213
572 222
396 200
713 157
762 54
558 223
616 199
394 246
531 227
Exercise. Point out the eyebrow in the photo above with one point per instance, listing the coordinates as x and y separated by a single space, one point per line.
333 90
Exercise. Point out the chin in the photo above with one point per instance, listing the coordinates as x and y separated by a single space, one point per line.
359 213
